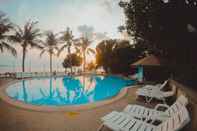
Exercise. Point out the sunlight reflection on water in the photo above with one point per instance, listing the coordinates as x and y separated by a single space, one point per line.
67 90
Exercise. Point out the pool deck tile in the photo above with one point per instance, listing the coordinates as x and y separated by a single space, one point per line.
17 119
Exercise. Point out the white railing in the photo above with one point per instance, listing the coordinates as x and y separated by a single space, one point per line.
31 74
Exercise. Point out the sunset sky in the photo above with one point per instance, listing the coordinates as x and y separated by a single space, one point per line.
101 16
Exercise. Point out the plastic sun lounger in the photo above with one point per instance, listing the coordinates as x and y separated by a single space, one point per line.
119 121
153 87
157 94
142 112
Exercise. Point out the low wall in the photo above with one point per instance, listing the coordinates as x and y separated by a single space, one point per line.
192 106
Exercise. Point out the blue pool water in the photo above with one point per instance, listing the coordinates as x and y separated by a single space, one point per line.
67 90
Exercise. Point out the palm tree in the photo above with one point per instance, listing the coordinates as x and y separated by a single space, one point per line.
50 45
25 94
104 51
84 43
67 40
27 36
5 27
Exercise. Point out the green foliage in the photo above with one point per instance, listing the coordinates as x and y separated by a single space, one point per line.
163 27
67 40
50 46
51 43
27 36
5 27
72 60
104 53
83 46
91 66
116 56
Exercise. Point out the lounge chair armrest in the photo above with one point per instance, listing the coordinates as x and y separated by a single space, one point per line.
151 119
165 106
158 84
159 118
149 88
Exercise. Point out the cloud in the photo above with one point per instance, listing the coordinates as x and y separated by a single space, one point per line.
100 36
107 4
103 15
95 16
87 31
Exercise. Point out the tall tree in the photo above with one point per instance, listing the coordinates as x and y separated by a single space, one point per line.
27 37
50 46
5 28
167 27
111 54
84 44
72 60
104 54
67 40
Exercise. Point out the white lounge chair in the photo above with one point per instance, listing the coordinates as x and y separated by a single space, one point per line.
153 87
122 122
141 112
157 94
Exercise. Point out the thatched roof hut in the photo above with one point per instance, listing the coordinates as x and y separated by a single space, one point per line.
149 60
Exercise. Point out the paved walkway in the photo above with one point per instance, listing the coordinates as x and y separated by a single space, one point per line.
16 119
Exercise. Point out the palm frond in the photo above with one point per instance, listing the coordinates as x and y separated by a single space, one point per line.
67 35
41 42
5 23
52 52
77 50
56 48
33 44
18 30
3 18
61 49
90 50
14 38
9 48
42 52
5 27
36 33
1 47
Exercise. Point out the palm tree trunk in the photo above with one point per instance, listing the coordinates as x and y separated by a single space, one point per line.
23 59
50 54
71 68
51 88
69 53
25 95
84 63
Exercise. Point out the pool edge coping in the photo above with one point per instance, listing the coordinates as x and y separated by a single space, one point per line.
66 108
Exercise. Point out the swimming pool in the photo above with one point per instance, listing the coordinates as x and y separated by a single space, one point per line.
67 90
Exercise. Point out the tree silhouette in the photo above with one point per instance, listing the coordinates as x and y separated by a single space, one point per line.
168 28
68 43
72 60
115 56
27 36
50 46
83 46
5 27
